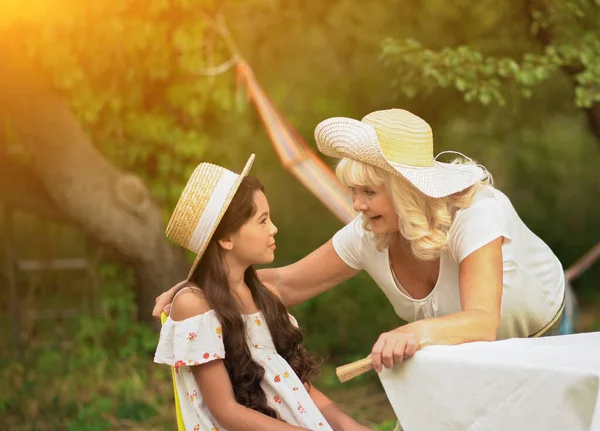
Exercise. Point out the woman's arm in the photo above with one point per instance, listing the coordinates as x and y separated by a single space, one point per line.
215 386
480 281
315 274
338 420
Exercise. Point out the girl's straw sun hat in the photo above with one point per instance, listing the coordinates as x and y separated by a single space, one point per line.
201 207
398 142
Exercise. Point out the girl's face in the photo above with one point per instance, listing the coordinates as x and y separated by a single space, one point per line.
254 242
376 206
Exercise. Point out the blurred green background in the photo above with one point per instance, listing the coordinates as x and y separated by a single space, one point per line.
106 107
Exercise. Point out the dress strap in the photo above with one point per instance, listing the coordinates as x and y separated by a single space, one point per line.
183 289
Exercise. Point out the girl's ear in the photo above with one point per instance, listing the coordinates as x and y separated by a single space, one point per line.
226 243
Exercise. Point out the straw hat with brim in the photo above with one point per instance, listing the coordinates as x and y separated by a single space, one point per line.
399 142
201 207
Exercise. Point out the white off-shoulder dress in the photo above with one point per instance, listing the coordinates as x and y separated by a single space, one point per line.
199 340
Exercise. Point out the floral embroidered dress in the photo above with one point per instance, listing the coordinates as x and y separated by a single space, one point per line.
199 339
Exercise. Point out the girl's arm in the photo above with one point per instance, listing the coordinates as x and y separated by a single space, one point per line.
338 420
217 392
480 281
316 273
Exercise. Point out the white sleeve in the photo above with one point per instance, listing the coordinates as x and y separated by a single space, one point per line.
477 226
348 243
189 342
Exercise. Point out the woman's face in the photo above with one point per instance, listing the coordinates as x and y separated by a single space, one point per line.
254 242
375 204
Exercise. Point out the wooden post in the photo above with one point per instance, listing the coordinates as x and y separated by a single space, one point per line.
15 315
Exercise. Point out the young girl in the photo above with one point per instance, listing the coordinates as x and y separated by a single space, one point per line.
238 355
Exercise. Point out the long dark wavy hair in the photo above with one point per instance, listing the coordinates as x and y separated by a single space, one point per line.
211 277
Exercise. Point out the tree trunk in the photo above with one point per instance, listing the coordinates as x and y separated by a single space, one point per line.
21 188
113 206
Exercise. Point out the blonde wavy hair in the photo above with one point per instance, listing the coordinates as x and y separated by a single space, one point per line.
424 221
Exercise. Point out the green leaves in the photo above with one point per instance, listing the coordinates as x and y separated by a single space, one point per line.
481 76
130 74
462 68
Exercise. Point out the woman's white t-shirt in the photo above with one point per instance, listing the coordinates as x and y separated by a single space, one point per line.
533 278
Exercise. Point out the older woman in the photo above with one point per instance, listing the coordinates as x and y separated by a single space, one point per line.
447 248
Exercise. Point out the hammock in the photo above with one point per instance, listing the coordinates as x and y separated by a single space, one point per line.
294 154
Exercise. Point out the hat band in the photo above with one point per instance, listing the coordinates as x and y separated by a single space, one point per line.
206 223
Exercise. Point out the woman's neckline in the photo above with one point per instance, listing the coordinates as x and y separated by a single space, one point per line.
394 278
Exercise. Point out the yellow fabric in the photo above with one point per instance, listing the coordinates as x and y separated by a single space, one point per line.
180 425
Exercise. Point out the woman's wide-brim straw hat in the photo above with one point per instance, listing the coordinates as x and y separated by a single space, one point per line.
202 204
398 142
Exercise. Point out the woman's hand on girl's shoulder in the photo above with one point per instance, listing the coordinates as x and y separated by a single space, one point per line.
163 301
309 277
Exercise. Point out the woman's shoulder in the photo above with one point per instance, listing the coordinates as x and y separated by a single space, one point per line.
487 199
489 208
486 219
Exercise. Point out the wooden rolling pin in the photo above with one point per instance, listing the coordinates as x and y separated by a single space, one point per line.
350 371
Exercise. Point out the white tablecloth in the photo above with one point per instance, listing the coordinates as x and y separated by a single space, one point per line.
546 384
